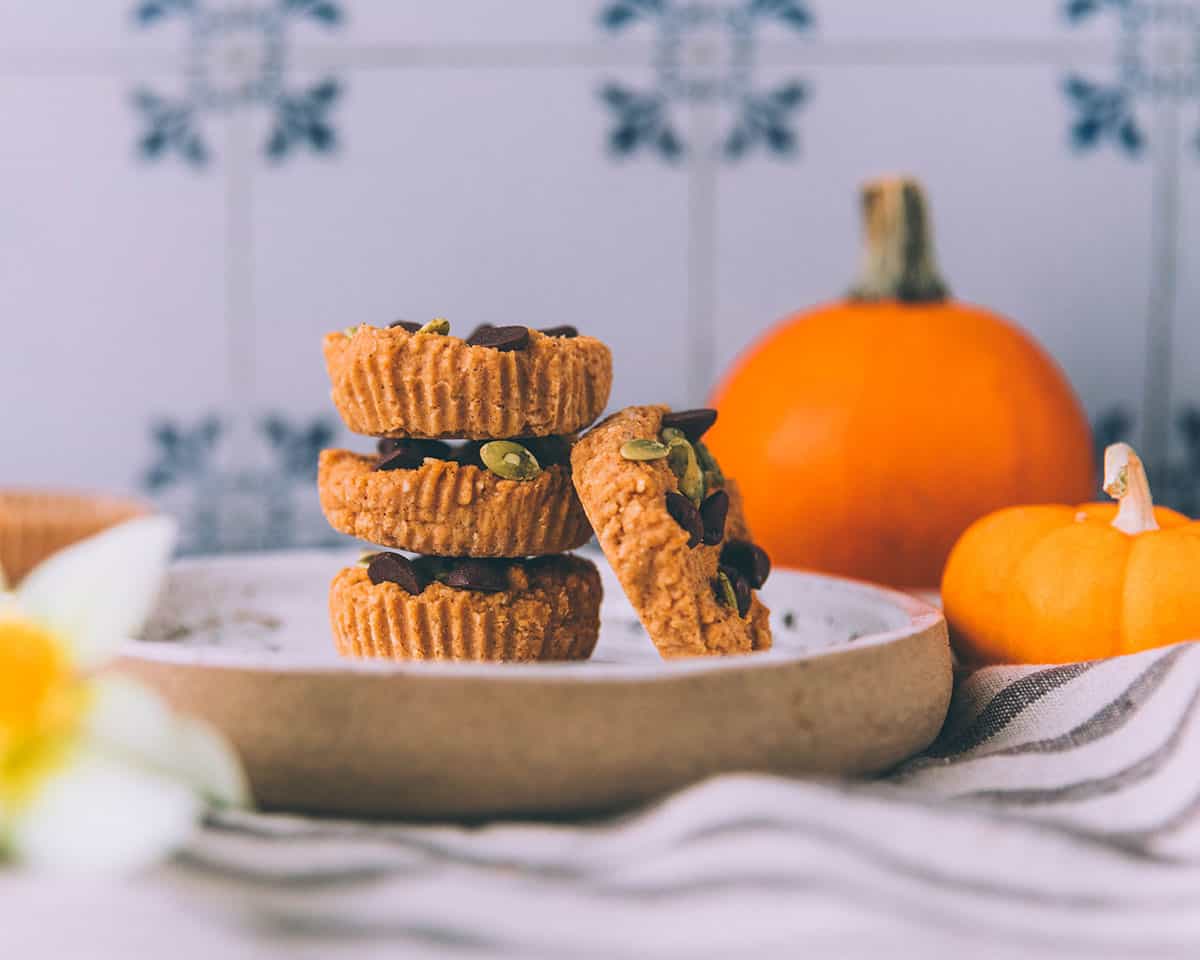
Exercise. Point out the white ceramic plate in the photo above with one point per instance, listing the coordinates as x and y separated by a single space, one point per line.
859 679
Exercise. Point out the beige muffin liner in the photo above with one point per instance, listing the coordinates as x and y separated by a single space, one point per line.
668 583
35 524
448 509
550 612
389 382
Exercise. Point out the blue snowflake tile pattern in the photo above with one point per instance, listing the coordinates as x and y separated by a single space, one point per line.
237 58
181 453
1158 58
297 448
1102 113
704 54
220 509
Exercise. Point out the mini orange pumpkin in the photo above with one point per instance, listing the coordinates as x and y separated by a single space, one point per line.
1055 584
866 435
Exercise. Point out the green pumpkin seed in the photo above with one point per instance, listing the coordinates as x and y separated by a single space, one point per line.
672 433
708 463
725 591
639 449
681 457
349 332
509 460
714 479
438 325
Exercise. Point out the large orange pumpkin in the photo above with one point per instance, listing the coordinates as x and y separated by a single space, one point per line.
1054 584
867 434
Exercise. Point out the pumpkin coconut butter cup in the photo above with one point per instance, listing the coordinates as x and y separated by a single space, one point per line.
1058 584
670 522
34 524
429 498
401 382
474 511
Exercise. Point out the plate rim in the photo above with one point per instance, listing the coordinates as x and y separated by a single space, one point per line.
922 618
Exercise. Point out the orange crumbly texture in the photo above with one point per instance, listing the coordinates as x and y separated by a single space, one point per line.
448 509
389 382
551 611
34 525
668 583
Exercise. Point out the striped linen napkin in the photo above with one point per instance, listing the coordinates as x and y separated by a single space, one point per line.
1056 816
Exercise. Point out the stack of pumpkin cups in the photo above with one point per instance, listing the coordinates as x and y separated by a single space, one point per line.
490 516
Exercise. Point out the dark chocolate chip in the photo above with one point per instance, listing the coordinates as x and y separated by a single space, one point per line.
467 454
693 423
566 331
488 576
482 328
393 568
684 513
713 511
503 339
748 559
408 325
438 449
547 450
406 458
741 588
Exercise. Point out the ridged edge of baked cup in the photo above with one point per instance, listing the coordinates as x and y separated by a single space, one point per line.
550 612
449 509
389 382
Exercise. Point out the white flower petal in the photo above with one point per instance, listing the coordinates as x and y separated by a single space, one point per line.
206 760
129 720
97 593
97 813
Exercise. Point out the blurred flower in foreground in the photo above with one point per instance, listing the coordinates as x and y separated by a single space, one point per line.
95 770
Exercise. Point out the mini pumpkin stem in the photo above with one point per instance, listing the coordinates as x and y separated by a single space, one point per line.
898 260
1125 480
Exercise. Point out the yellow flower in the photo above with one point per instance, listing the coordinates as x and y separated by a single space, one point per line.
95 771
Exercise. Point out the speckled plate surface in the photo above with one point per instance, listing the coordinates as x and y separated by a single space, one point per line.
858 680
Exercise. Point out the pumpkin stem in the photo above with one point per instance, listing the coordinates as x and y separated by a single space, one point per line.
1125 480
898 257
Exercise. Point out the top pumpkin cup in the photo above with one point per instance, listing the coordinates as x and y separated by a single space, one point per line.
397 382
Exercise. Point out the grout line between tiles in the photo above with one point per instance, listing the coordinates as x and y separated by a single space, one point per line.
602 53
1160 313
701 254
239 285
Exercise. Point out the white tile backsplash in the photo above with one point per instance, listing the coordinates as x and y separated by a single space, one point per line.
462 165
930 21
406 24
1023 226
481 196
111 287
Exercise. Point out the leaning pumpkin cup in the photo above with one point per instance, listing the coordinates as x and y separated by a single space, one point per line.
1056 584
